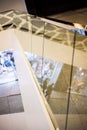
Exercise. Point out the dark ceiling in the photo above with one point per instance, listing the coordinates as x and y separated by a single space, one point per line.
51 7
60 10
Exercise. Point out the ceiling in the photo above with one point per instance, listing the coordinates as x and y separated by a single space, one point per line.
64 10
6 5
58 34
72 16
57 10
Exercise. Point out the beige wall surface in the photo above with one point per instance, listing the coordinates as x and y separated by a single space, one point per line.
5 40
6 5
35 115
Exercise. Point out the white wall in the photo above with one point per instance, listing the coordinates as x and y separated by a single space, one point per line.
6 5
35 115
5 40
15 121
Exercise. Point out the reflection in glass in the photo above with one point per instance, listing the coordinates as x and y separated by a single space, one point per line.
79 82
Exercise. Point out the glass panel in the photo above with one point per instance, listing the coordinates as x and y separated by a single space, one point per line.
78 99
51 60
37 49
58 47
20 21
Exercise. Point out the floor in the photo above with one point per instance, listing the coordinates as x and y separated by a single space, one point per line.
11 102
57 99
77 117
58 102
10 98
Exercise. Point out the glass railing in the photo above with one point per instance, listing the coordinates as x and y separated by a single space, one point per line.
57 54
